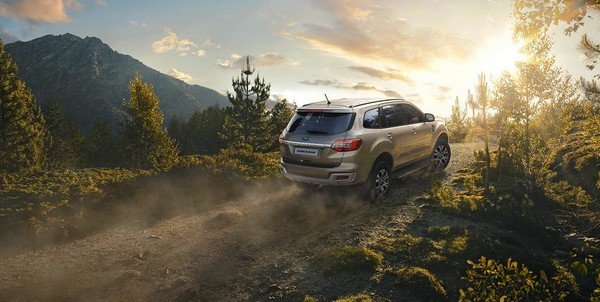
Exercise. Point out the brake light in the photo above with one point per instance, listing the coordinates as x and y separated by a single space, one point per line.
281 140
344 145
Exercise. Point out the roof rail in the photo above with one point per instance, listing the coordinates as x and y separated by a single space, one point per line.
372 102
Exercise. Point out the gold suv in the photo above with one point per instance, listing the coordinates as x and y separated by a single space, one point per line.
361 142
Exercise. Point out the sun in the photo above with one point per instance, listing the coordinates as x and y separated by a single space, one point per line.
501 56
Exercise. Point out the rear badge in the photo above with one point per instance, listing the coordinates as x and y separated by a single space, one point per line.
305 138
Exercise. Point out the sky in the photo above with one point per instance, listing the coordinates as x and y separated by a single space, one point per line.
427 51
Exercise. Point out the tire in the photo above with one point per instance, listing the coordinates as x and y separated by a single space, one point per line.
440 157
379 182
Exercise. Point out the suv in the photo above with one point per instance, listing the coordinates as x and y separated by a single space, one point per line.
361 142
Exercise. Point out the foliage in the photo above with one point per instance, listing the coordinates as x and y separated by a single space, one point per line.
281 114
101 148
200 134
246 120
66 144
355 298
482 100
421 282
458 123
243 163
308 298
349 258
23 137
52 202
145 142
488 280
535 17
586 269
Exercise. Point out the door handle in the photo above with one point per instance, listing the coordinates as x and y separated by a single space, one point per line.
414 131
389 135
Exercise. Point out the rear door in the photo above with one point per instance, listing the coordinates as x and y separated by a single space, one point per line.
310 134
399 133
421 131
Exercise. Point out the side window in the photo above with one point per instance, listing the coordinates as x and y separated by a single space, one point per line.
371 119
413 115
394 116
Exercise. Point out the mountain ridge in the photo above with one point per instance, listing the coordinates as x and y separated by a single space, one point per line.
90 79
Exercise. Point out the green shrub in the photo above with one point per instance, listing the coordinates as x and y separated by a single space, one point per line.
243 163
420 282
355 298
408 245
349 258
488 280
308 298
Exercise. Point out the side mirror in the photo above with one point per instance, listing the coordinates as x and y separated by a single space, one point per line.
429 117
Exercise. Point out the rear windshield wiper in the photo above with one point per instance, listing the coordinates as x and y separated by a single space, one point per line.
316 131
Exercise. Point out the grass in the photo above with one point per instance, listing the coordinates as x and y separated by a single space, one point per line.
355 298
420 282
349 259
49 201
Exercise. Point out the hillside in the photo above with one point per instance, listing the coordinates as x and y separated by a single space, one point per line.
91 80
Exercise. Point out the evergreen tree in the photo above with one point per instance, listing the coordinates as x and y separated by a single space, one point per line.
22 126
482 91
458 124
146 143
202 131
176 130
102 148
247 120
66 143
280 117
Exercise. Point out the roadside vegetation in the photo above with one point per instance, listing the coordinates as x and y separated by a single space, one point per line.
56 182
520 224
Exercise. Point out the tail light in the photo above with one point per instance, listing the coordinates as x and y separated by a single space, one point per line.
281 140
344 145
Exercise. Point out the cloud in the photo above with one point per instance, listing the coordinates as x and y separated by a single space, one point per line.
199 53
209 43
444 89
101 2
358 86
7 37
180 75
389 74
172 43
136 23
269 59
365 31
37 11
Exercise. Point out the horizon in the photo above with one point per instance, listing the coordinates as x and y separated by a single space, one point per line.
341 48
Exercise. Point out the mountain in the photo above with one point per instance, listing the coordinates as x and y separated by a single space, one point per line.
91 81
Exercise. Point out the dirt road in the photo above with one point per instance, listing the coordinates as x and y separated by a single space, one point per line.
256 248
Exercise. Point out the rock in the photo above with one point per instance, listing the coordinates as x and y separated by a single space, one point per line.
226 218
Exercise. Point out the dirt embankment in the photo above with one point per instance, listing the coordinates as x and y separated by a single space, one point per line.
259 247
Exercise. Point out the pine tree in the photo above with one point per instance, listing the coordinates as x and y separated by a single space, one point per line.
101 147
482 91
247 120
202 131
22 133
66 143
280 117
146 143
458 124
176 131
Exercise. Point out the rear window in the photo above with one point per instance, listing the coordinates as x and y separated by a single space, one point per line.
323 123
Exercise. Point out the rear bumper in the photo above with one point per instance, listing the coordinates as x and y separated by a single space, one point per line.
343 175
